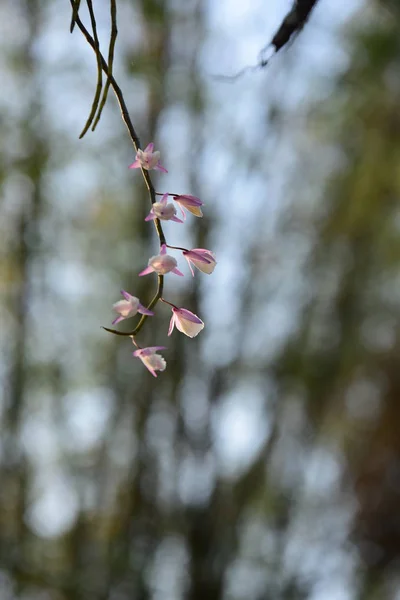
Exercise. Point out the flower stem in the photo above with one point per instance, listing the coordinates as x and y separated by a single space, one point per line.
170 303
177 248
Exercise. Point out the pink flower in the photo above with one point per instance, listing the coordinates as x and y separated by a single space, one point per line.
203 259
147 159
191 203
162 210
152 361
186 322
161 264
129 308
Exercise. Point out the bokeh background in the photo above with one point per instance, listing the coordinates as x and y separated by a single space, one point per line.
264 463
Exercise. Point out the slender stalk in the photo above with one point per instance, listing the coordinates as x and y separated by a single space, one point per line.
113 38
99 85
136 143
177 248
75 9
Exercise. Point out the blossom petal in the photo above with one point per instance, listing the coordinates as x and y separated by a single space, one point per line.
149 350
171 324
191 203
187 314
125 308
195 210
197 256
118 320
203 252
145 311
152 361
178 272
187 322
202 259
182 211
190 266
188 200
189 329
159 167
135 165
150 217
149 147
146 271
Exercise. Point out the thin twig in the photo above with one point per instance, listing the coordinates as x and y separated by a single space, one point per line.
127 120
293 23
75 9
113 37
99 85
240 73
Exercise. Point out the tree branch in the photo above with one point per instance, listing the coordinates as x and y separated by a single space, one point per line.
291 26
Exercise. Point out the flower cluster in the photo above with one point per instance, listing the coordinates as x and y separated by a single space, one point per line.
183 319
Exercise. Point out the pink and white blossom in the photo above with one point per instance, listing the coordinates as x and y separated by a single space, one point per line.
164 211
148 159
129 307
202 259
191 203
152 361
186 322
162 264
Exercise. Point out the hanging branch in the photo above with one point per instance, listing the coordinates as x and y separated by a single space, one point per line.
136 143
290 27
75 9
293 23
99 69
183 319
113 37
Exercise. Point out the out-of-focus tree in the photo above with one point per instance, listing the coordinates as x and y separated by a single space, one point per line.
344 359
